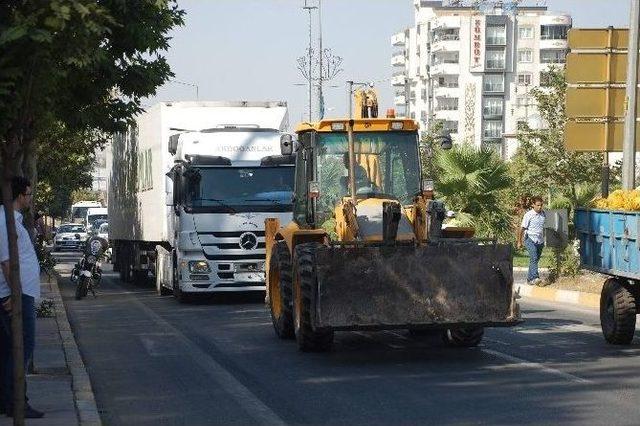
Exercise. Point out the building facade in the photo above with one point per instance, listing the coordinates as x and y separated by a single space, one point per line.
472 65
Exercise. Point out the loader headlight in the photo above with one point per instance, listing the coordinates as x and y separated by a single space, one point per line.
199 266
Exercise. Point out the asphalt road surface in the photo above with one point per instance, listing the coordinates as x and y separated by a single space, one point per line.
217 361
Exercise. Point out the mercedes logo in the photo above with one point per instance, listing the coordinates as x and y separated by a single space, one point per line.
248 241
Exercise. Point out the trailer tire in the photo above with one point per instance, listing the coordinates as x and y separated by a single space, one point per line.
463 337
139 277
280 291
617 313
305 285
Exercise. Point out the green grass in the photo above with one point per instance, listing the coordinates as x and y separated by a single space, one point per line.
521 258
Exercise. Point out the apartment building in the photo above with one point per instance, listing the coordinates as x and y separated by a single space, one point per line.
471 65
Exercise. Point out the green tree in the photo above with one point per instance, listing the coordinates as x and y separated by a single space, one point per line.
472 182
542 165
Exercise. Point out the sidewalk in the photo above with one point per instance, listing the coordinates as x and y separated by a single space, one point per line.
60 386
580 298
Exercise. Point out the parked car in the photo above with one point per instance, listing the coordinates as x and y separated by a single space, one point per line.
70 236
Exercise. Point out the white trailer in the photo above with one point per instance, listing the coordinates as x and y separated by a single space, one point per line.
190 187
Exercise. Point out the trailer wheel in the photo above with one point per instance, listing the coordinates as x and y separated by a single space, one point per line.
280 291
617 313
305 285
139 277
463 337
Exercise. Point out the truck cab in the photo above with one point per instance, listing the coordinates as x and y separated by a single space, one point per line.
224 184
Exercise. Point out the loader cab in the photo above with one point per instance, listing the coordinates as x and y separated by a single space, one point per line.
387 165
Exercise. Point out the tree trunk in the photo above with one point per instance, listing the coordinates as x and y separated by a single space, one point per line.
16 296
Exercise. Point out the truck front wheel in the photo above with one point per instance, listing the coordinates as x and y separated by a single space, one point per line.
280 292
305 283
617 313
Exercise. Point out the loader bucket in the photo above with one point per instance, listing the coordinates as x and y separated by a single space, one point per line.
403 286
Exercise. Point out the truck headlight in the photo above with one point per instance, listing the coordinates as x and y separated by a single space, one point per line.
199 266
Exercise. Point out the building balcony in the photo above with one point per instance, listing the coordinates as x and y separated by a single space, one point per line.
398 60
446 115
496 41
400 100
445 22
446 92
445 45
398 79
553 19
492 114
445 68
398 39
554 44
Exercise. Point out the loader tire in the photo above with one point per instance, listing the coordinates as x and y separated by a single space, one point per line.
280 291
305 285
463 337
617 313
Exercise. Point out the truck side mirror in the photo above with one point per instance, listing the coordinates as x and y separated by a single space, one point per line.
286 144
173 144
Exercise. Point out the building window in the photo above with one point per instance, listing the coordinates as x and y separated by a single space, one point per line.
447 34
451 81
450 126
447 104
492 106
553 32
553 56
496 35
524 79
493 83
423 94
522 101
525 33
545 79
492 129
495 59
525 56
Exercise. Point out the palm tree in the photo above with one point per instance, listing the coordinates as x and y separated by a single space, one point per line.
471 182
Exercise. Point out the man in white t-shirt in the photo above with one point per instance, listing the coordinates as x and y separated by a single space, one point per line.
532 230
30 283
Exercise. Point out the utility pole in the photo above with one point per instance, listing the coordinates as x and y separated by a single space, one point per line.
310 58
629 147
320 53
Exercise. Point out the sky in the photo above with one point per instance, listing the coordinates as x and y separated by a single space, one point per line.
248 49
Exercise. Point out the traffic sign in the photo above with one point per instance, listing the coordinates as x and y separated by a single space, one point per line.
596 99
598 38
595 135
592 102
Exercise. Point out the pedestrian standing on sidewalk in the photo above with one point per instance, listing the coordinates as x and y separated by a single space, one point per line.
532 232
30 282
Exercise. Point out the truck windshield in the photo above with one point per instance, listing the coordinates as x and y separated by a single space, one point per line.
387 166
241 189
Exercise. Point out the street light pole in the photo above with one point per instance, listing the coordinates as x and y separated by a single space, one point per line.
629 147
310 71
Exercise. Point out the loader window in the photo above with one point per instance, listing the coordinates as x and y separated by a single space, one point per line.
387 166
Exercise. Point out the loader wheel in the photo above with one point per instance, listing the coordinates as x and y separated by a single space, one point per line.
305 286
617 313
280 292
463 337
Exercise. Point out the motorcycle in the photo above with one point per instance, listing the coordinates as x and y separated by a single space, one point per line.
87 273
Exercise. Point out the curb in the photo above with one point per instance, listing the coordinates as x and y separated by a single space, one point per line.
84 399
581 298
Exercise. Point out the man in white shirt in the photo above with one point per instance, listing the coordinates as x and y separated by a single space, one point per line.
532 230
30 283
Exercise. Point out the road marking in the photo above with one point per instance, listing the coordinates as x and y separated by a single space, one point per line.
253 406
542 328
536 365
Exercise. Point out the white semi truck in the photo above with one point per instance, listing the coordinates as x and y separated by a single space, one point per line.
190 187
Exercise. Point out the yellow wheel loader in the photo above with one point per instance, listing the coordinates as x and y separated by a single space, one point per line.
367 249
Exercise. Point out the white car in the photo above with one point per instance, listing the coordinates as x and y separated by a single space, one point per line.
70 236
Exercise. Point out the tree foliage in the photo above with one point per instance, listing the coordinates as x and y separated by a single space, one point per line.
472 182
542 165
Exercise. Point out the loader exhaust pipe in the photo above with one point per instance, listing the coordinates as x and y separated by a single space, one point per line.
352 162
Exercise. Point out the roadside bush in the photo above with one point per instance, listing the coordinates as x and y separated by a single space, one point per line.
46 309
565 263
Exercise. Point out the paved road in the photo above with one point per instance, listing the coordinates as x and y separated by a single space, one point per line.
154 361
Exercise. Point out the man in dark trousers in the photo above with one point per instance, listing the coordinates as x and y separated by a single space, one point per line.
30 282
